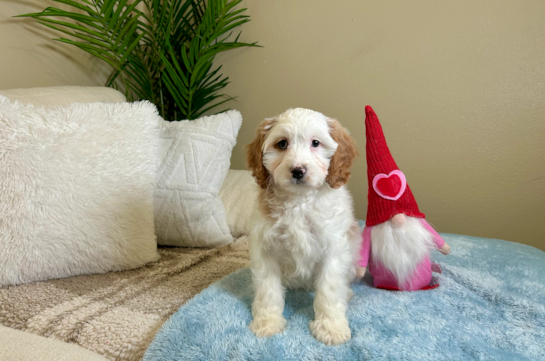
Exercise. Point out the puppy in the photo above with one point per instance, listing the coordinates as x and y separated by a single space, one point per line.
304 232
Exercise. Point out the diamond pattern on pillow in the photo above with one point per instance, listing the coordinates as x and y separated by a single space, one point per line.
194 160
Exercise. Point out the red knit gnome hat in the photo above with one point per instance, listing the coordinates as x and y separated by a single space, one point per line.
389 194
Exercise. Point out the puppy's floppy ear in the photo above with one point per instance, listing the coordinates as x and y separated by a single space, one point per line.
341 162
254 154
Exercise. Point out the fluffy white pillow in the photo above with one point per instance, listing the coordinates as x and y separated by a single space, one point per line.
76 189
194 158
239 194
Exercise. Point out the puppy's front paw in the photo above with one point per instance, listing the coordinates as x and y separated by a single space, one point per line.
330 330
268 325
350 295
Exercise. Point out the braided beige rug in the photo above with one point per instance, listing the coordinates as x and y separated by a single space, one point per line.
117 314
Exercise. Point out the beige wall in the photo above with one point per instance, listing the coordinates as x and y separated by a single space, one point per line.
29 58
459 87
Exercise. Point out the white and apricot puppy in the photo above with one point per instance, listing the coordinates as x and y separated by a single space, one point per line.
304 232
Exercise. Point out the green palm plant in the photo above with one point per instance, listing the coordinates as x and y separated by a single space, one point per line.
159 50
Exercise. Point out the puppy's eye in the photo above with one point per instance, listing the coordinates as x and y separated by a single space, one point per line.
315 143
282 144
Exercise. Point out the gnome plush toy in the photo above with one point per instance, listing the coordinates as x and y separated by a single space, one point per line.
396 239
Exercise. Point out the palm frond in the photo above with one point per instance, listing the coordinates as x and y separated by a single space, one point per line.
164 53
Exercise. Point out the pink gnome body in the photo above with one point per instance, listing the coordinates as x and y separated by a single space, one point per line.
396 239
383 278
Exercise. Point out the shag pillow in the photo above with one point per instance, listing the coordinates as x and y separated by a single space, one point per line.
239 194
76 189
194 157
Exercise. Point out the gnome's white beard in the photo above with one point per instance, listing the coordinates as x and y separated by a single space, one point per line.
400 248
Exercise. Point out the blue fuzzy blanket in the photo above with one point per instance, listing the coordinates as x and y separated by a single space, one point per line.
490 306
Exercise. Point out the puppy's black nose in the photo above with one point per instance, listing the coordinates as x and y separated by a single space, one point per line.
298 172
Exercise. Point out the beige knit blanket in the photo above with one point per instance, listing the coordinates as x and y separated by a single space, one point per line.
117 314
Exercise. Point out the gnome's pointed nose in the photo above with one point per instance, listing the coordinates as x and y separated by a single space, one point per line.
399 219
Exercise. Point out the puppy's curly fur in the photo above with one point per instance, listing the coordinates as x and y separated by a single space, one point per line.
304 231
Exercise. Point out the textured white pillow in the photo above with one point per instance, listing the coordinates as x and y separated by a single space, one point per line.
194 159
239 194
76 189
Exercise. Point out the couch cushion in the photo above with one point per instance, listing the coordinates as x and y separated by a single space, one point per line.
62 95
22 346
239 194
